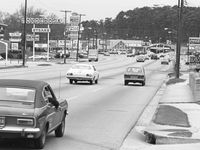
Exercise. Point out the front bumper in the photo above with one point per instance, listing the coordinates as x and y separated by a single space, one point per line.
19 132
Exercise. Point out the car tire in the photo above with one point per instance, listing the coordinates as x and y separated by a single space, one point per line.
143 83
96 81
70 81
75 81
125 82
91 82
59 132
40 142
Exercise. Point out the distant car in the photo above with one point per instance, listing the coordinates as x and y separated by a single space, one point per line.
83 72
1 58
30 110
140 58
135 75
106 54
165 61
154 56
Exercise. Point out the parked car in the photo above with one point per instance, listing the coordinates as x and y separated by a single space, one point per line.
154 56
140 58
135 75
83 72
164 61
29 109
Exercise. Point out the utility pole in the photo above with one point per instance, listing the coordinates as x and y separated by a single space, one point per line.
179 37
65 33
24 49
79 27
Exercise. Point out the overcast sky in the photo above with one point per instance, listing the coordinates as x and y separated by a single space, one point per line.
93 9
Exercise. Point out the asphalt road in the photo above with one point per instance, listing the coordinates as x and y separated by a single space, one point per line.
100 116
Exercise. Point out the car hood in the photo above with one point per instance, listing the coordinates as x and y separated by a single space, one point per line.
11 111
80 71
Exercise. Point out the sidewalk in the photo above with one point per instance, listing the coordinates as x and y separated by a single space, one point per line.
171 121
18 63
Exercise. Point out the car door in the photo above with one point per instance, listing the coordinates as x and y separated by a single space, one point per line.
96 74
53 113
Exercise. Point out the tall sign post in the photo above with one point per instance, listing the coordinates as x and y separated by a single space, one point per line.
65 33
47 21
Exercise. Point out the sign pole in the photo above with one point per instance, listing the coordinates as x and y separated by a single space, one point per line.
34 43
48 45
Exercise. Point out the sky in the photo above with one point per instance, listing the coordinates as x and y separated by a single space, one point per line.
93 9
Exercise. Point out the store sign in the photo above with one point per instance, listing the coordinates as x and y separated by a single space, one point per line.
42 21
15 46
41 30
32 37
15 37
193 41
40 45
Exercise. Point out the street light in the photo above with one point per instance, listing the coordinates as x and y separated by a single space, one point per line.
179 39
79 27
65 33
24 49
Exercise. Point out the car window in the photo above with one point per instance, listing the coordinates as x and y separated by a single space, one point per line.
134 70
17 94
81 67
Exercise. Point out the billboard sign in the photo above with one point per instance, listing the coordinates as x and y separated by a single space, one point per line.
15 46
42 21
194 41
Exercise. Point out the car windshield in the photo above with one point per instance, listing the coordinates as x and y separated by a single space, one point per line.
134 70
17 94
81 67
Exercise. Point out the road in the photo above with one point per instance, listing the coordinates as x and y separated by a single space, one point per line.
100 116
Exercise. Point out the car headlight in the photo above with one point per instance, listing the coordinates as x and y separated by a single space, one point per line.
89 75
24 121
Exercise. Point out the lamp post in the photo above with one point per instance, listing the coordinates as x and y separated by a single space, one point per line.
79 27
24 49
179 39
65 33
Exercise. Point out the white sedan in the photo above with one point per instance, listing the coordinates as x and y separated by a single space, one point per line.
83 72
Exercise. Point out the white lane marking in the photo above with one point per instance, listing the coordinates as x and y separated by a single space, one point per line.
96 90
71 98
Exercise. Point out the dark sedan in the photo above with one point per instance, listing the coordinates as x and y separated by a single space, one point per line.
29 109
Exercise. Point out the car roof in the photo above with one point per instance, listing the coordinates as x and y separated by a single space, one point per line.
36 84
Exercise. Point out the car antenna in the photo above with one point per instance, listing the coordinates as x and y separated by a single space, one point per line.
59 84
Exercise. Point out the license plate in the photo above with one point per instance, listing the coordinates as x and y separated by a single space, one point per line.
2 121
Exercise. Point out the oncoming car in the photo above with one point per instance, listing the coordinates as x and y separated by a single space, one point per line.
30 110
135 75
83 72
140 58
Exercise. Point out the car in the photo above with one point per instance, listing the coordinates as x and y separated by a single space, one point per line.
135 75
30 110
140 58
106 54
83 72
165 61
154 56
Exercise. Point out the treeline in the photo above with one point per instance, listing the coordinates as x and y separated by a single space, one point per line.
148 23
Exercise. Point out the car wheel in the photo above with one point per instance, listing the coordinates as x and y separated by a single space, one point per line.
40 142
75 81
91 82
143 83
70 81
96 81
125 82
59 132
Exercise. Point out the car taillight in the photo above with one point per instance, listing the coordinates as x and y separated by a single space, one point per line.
23 121
70 74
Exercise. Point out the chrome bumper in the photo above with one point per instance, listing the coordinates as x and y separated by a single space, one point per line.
19 130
